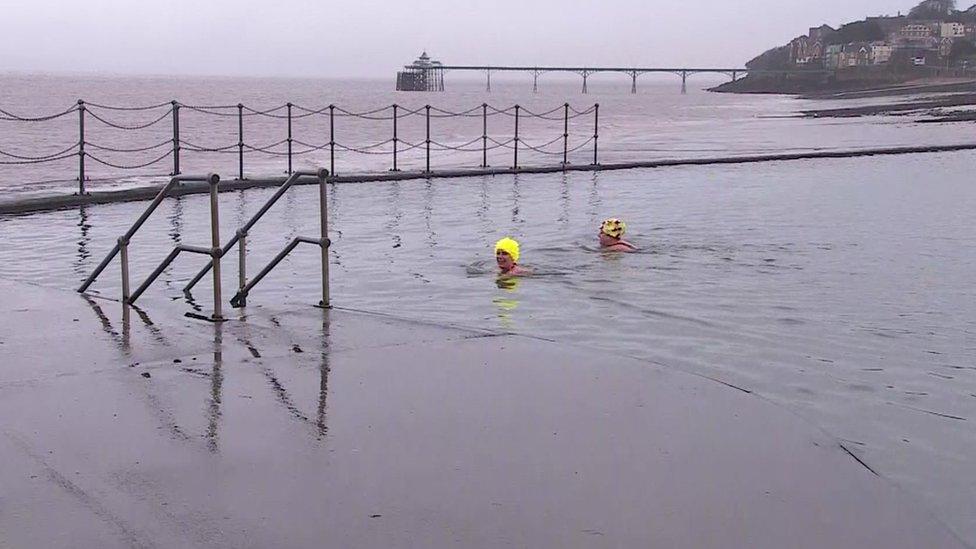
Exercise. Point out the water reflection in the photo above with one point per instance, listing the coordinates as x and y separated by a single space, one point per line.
506 304
216 388
84 240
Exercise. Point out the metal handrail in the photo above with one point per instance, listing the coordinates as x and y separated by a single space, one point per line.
241 234
245 287
120 246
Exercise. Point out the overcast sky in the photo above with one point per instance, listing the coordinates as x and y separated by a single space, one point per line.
367 38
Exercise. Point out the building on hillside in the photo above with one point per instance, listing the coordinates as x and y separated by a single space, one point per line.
809 49
800 50
945 47
970 31
881 53
833 56
952 30
916 31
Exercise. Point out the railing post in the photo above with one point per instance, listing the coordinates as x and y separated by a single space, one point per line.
395 137
484 135
242 265
428 138
240 141
324 241
215 251
565 134
124 260
81 147
176 138
596 132
289 139
332 139
515 165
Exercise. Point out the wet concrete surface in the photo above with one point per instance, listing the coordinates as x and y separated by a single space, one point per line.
311 428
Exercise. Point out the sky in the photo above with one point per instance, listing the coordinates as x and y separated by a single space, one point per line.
370 38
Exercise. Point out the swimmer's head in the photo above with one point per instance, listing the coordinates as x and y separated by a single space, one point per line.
506 253
614 228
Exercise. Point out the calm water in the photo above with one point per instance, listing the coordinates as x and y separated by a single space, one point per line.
841 289
657 123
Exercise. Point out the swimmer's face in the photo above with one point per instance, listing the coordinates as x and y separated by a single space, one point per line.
607 240
504 260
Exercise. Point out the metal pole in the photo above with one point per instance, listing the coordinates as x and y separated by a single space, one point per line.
428 138
176 138
395 138
81 147
325 243
242 264
489 80
332 139
289 138
565 134
596 131
215 251
484 135
240 141
124 260
515 166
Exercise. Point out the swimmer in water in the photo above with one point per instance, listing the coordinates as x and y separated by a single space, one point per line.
507 256
611 237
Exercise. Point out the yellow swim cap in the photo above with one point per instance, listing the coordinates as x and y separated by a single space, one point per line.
613 227
508 246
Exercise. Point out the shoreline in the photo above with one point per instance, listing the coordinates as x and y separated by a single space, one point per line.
48 203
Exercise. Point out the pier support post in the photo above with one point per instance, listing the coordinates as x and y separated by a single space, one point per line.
684 82
488 72
240 141
176 138
735 76
81 147
633 81
535 81
289 139
586 75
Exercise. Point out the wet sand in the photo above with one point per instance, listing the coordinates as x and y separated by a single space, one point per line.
302 427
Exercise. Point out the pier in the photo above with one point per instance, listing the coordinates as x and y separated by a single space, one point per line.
426 74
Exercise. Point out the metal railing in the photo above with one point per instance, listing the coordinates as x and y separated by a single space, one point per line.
240 240
215 251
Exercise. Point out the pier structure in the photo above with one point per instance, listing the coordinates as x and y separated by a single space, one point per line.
427 75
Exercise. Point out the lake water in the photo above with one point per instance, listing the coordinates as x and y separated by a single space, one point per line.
840 289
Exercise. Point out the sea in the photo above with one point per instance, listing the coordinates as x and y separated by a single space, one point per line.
839 289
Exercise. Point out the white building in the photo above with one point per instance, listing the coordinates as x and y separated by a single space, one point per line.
880 53
953 30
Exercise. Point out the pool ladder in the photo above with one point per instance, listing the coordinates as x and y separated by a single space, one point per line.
216 252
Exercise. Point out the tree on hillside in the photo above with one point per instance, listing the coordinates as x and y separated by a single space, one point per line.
933 9
860 31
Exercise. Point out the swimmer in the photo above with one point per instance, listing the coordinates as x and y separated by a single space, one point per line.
507 256
611 237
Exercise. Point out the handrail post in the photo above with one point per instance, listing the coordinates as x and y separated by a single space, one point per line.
124 260
484 135
332 139
324 241
596 132
515 165
289 139
81 147
428 139
395 137
242 264
240 141
215 251
565 134
176 138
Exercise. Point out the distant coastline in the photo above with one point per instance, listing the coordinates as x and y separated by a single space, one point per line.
933 46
